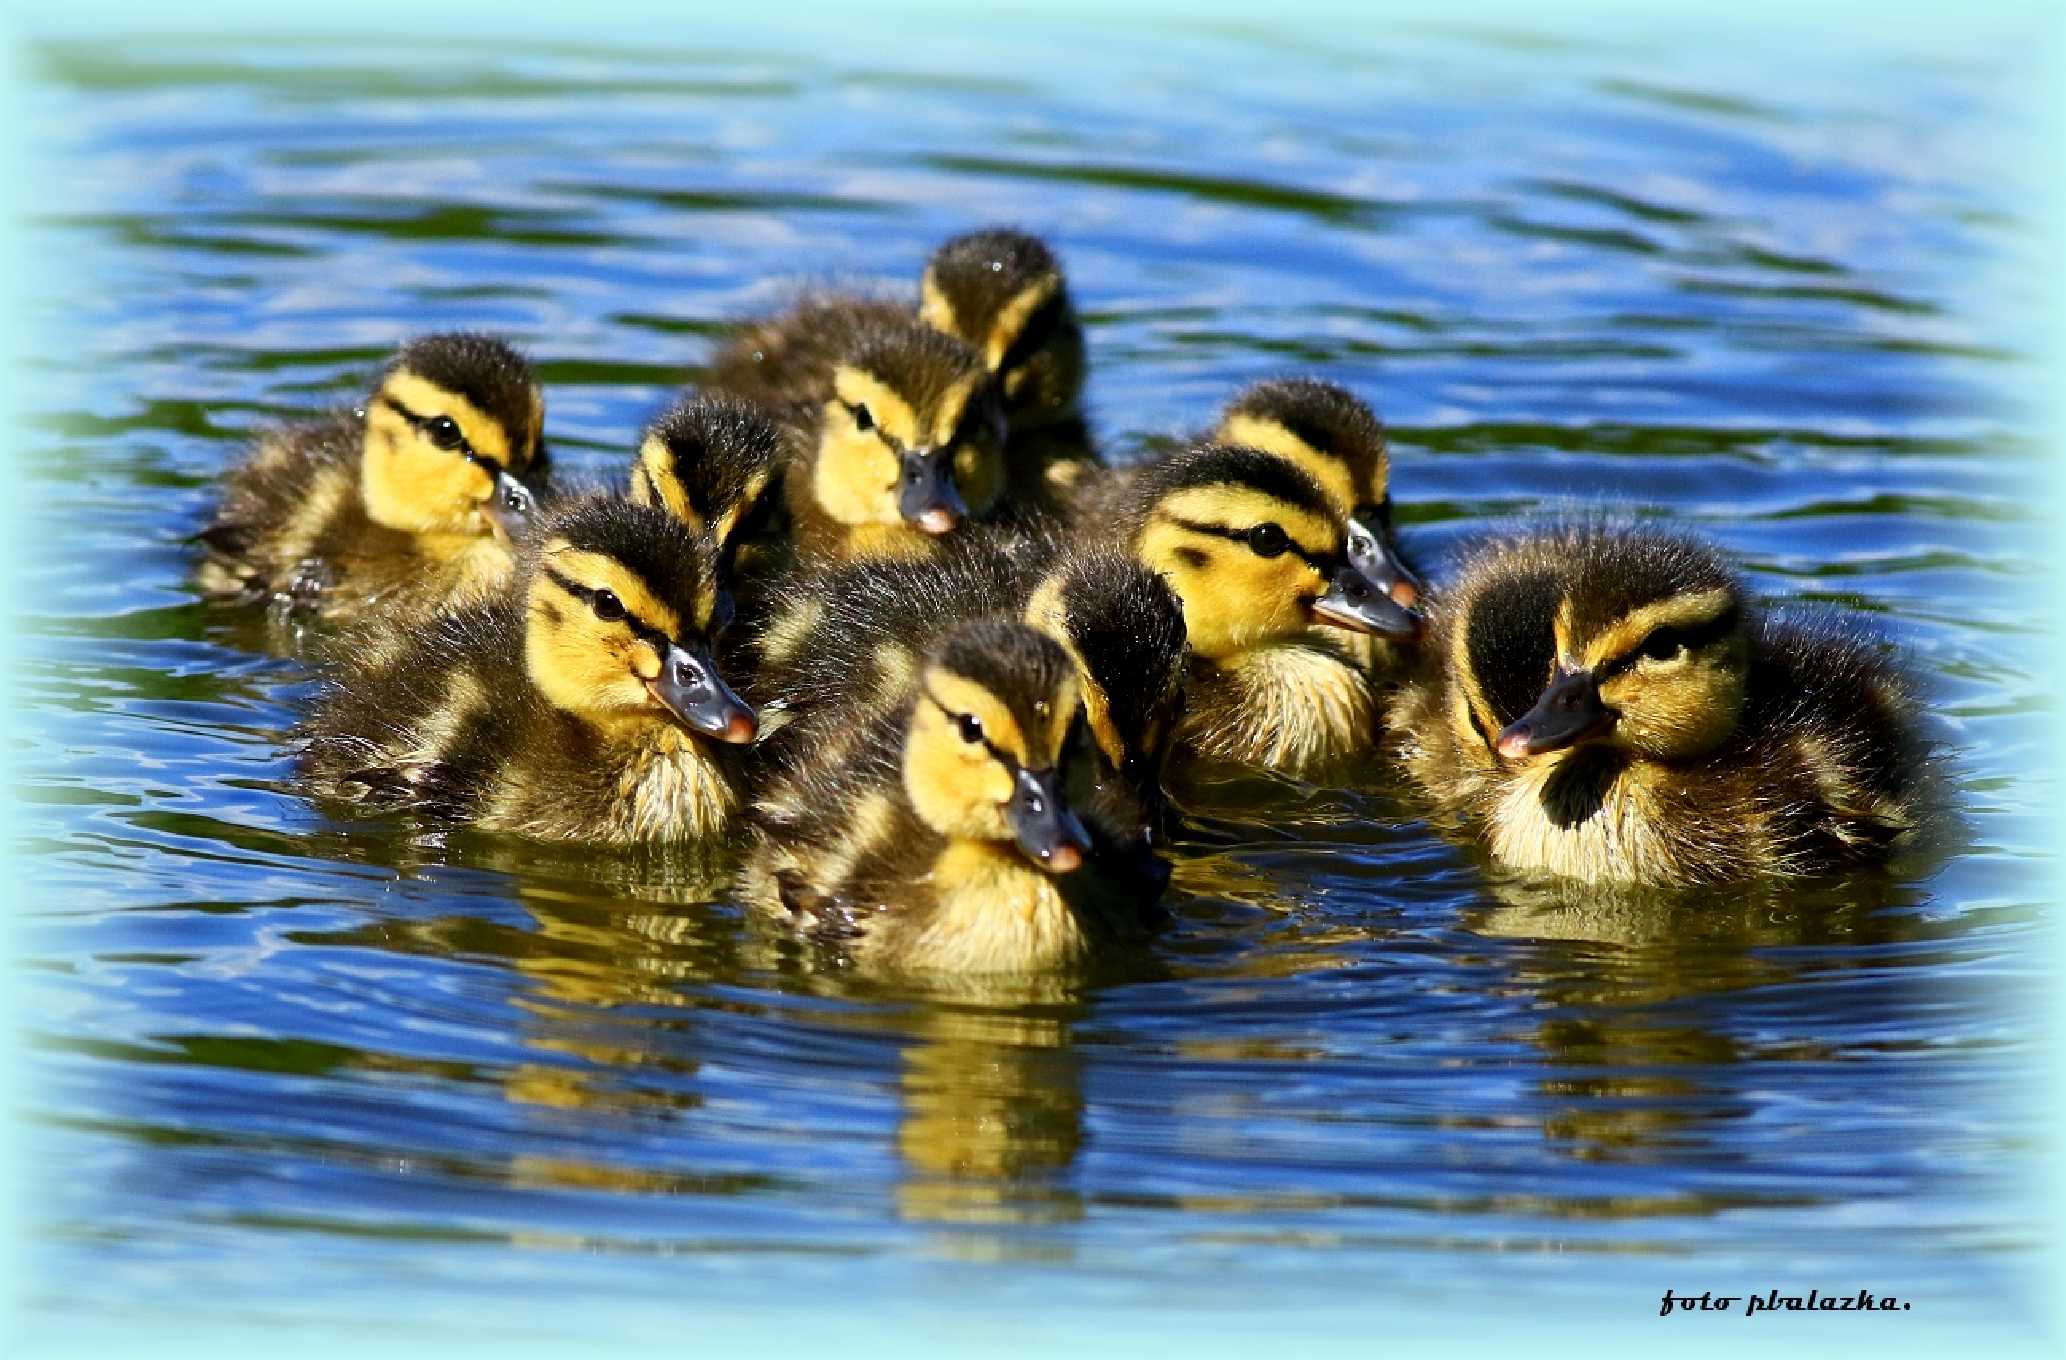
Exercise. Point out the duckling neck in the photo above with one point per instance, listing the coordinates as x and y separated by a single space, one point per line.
994 912
1293 705
669 786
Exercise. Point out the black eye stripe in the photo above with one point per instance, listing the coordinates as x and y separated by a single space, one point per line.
640 629
1692 637
421 424
1323 563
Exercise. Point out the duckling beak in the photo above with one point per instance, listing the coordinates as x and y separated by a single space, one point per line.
510 506
1569 712
1353 602
1046 830
1372 552
926 496
690 688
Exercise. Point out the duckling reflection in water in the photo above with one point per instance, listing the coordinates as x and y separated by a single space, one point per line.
395 511
944 839
1606 703
583 703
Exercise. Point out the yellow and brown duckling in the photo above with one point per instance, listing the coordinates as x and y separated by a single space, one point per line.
399 509
1607 704
582 703
715 464
1257 554
849 640
944 840
896 435
1002 292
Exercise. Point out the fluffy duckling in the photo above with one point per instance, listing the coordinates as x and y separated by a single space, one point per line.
1257 554
582 703
849 639
1330 435
405 506
715 464
945 840
1002 293
1607 704
896 432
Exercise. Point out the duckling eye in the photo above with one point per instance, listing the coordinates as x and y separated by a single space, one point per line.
1663 645
607 606
1267 540
864 420
971 728
443 431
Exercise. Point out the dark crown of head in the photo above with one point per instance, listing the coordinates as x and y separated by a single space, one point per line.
1326 416
987 268
1019 666
655 546
1209 464
719 446
484 370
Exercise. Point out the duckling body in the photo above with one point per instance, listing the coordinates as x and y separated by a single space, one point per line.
942 838
895 433
581 703
1256 553
397 510
1606 704
1002 293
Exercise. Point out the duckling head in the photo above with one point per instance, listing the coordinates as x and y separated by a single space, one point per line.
989 739
1124 628
452 427
1650 649
1339 442
709 462
1001 292
1253 549
622 606
912 434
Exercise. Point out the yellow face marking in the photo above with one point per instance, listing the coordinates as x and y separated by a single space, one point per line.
1272 438
1680 611
960 695
934 308
537 424
1013 316
957 787
657 461
886 406
1240 507
728 519
947 418
426 398
598 571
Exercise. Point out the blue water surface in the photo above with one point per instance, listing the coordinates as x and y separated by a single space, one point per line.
288 1069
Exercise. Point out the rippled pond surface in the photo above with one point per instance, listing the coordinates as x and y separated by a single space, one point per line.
286 1067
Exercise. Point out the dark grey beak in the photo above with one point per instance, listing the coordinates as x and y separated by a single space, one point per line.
511 507
1373 552
1045 828
1570 711
926 496
692 690
1354 603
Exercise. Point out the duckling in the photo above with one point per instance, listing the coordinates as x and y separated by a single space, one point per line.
1256 553
1338 441
404 507
1606 703
714 463
849 639
945 840
1002 293
580 703
896 433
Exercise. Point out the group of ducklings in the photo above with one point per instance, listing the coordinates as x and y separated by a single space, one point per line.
872 596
